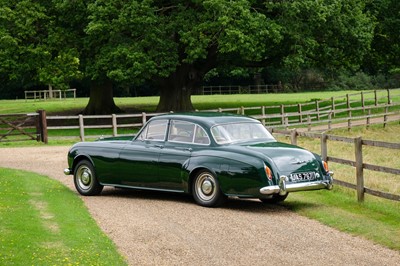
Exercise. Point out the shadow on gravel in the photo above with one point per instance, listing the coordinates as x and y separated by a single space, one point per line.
146 194
233 204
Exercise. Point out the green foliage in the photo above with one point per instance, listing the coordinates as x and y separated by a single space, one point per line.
359 81
44 223
328 34
27 47
384 55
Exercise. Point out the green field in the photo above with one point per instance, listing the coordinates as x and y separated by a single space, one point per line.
148 104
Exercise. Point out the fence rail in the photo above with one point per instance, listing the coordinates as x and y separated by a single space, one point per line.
47 94
238 89
358 163
80 121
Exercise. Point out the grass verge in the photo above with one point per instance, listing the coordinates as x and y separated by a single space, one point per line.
42 222
376 219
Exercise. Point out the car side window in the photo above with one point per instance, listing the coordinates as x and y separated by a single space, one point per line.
201 136
155 130
186 132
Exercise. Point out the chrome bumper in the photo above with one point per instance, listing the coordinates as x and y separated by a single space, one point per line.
67 171
283 188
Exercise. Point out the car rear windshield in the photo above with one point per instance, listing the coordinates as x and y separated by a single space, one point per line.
240 132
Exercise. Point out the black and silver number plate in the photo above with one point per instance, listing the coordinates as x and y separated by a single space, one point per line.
296 177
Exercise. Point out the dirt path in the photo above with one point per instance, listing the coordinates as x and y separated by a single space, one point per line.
167 229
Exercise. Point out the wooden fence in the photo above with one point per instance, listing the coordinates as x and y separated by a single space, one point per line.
359 164
116 121
232 89
47 94
23 127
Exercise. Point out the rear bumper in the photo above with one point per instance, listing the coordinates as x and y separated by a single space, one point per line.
283 188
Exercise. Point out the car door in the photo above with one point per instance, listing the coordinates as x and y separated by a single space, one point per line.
139 160
184 138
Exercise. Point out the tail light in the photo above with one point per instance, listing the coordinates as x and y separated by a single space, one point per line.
268 172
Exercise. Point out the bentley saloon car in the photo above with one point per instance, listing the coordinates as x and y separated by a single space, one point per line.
211 156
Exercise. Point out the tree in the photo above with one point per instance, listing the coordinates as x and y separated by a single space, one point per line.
27 53
174 44
384 56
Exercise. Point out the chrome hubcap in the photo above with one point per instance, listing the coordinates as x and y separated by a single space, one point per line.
84 177
205 187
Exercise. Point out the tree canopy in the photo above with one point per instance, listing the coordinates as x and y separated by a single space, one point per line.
174 44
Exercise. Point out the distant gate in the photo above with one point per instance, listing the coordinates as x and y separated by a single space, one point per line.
23 127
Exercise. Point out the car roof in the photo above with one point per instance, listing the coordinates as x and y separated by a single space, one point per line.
208 119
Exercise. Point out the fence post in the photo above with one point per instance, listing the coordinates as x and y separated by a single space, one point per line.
300 114
309 122
324 147
263 115
376 98
330 120
359 169
369 118
333 106
362 101
293 136
349 121
144 119
286 121
282 114
114 125
385 116
81 128
41 127
388 96
317 109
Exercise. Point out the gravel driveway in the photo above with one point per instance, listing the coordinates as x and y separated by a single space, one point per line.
168 229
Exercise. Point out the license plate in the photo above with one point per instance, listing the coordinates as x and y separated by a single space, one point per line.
296 177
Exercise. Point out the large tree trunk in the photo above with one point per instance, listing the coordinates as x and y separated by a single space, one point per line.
101 99
175 91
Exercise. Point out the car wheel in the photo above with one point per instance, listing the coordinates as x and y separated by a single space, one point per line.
85 179
275 198
206 190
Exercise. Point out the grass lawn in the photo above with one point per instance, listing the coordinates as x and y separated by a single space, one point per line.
43 222
149 104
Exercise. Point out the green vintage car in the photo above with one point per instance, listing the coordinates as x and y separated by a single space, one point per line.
209 155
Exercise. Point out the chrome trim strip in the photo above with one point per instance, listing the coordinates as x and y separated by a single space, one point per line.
284 188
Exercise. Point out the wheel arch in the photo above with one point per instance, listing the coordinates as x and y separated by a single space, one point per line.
80 158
